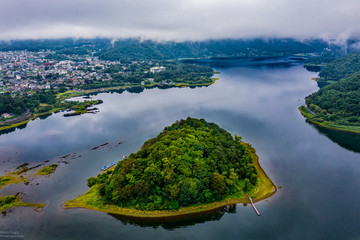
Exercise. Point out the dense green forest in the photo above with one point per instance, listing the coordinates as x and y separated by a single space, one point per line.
190 162
317 63
18 105
184 73
134 74
66 45
340 68
212 48
134 49
338 102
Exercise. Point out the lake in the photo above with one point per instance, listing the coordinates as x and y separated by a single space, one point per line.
318 170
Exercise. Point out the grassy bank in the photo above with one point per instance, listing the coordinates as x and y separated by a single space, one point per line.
327 124
11 201
10 179
80 108
264 189
21 174
15 124
196 85
47 170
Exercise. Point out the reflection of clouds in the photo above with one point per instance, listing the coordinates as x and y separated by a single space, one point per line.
258 105
51 132
245 95
252 90
8 152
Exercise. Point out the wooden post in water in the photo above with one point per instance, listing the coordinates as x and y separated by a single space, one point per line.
253 205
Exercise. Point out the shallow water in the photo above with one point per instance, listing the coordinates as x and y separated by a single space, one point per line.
317 169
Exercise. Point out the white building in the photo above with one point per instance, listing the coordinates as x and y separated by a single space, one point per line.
157 69
6 115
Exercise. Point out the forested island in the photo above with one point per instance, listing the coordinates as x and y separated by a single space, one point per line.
337 105
191 166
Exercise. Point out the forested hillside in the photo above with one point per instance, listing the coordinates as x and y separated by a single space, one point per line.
340 68
213 48
339 102
191 162
175 73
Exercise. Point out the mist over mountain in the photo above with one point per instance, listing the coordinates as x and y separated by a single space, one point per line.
135 49
182 20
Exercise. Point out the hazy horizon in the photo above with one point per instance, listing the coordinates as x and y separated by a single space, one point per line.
183 20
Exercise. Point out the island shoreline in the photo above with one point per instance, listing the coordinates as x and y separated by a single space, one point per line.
265 185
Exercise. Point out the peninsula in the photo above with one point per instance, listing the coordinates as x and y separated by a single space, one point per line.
191 166
337 105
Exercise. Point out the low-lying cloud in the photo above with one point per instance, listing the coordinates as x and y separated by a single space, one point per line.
179 20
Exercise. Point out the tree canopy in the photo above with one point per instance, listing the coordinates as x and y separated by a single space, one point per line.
341 68
19 104
150 50
338 102
190 162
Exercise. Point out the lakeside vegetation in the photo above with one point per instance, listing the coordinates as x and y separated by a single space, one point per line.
25 174
139 74
340 68
11 178
37 104
48 169
337 105
317 63
10 201
21 174
134 79
327 124
190 166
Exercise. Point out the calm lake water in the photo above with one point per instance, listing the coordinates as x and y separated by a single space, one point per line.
317 169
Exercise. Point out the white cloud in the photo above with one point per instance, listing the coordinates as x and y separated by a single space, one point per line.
179 20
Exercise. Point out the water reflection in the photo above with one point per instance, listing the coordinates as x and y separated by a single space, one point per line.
6 131
319 198
135 89
178 221
42 117
272 62
348 140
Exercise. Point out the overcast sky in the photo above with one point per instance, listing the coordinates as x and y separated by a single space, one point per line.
179 19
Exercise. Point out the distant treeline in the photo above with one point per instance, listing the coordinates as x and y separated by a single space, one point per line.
340 68
67 45
134 49
211 48
339 102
